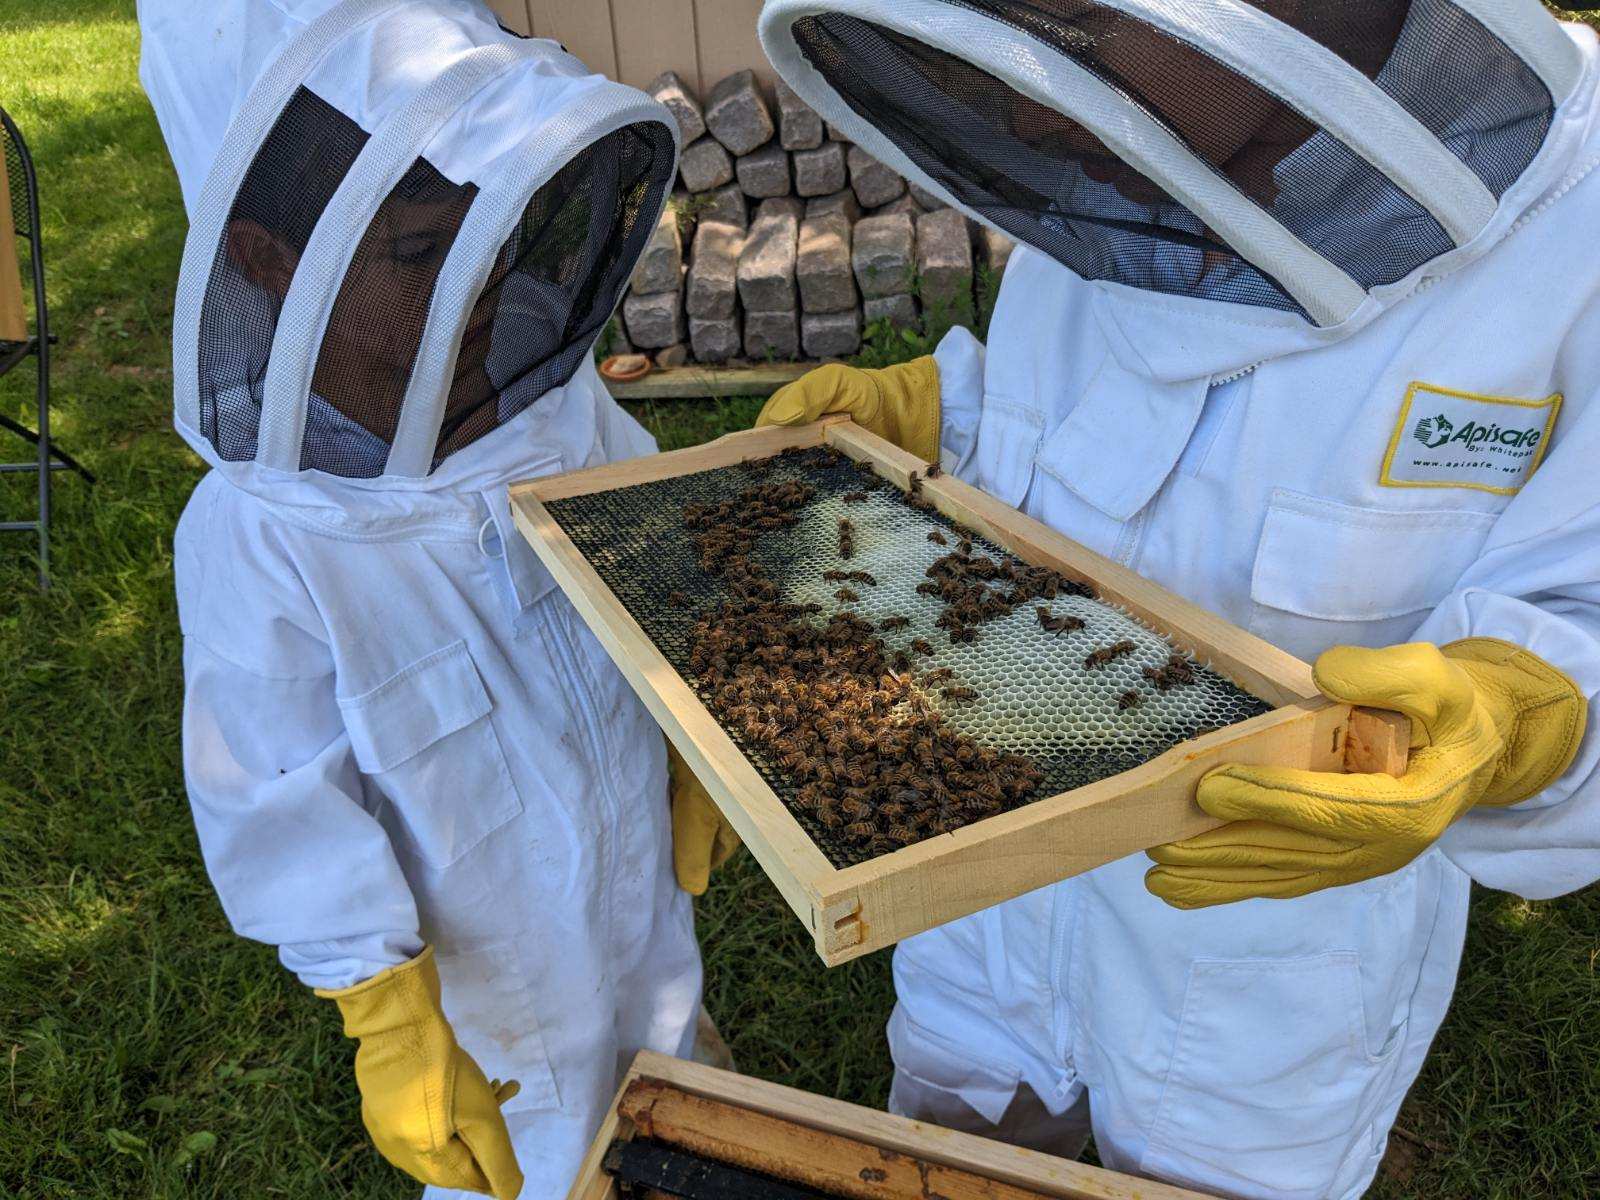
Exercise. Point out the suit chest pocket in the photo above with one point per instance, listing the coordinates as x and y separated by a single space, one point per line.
1328 573
425 738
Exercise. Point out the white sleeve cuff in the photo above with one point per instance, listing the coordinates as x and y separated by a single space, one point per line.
960 359
345 962
1550 843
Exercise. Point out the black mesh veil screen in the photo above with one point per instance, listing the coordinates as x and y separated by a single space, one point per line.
375 329
1482 101
16 178
1040 176
16 186
556 280
295 172
1049 181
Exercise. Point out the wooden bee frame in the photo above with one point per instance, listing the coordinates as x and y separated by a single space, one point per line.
855 910
830 1147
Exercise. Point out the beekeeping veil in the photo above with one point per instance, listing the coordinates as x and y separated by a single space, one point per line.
1289 155
413 225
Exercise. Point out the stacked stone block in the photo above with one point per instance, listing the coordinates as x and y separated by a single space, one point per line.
653 311
786 239
767 284
944 270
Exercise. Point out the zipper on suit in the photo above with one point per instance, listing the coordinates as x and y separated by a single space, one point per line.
589 722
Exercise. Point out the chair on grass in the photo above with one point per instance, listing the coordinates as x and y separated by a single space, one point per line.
19 219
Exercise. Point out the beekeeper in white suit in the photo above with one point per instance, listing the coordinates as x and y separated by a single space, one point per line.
411 768
1305 328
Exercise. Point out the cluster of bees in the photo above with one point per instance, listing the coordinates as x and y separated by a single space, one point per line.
875 764
975 588
852 721
723 535
846 717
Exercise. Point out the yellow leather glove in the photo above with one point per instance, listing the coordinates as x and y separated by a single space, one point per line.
702 839
427 1106
1491 724
900 404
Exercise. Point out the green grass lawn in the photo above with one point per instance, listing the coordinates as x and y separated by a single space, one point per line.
146 1051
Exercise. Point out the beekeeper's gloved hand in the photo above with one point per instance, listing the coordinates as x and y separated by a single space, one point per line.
900 404
427 1105
702 839
1491 724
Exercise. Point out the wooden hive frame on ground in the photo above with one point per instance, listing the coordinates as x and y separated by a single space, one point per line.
855 910
828 1147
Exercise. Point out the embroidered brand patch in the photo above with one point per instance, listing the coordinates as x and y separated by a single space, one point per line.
1453 439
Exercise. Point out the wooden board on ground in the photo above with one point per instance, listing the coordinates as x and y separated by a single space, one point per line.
829 1146
702 382
854 910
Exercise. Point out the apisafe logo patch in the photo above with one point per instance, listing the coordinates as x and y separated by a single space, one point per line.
1451 439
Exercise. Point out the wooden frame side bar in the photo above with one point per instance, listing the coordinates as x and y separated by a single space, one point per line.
785 851
990 861
725 451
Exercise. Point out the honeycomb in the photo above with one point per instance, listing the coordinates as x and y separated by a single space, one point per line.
1035 696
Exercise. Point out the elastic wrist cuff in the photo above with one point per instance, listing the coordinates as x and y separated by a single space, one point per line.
381 979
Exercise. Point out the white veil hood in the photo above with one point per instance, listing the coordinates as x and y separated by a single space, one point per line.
408 227
1298 159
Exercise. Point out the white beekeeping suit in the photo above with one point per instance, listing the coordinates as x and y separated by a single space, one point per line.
1304 327
408 227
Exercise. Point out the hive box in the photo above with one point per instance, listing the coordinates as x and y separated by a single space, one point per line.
854 910
821 1147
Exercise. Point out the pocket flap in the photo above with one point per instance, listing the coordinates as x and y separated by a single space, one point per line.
1122 409
985 1086
415 707
1337 562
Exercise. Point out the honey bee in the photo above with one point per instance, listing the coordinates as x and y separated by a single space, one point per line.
963 695
963 634
1054 624
938 676
933 470
1176 670
914 484
889 623
923 646
1108 654
1128 699
854 497
937 538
